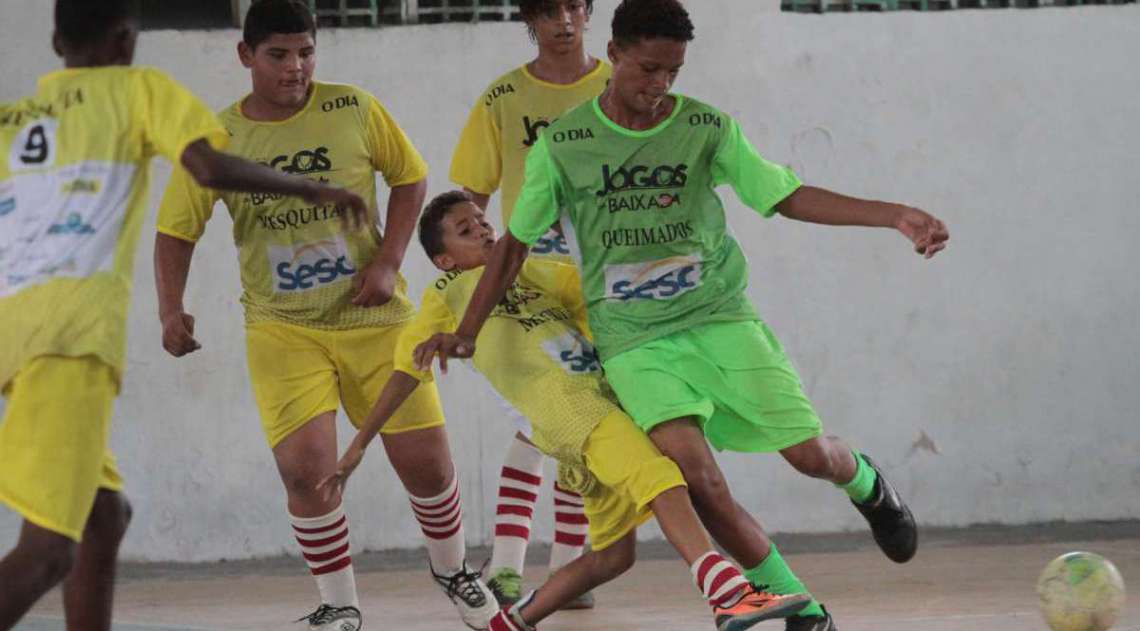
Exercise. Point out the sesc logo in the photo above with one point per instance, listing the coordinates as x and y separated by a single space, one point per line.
653 280
576 354
309 265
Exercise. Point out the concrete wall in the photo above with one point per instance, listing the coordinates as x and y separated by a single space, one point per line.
995 383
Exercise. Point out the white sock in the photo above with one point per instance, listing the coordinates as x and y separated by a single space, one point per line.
570 527
720 582
325 546
519 482
441 520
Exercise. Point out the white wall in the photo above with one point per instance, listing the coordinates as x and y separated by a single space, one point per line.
995 383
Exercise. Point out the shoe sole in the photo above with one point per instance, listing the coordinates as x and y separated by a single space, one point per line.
790 606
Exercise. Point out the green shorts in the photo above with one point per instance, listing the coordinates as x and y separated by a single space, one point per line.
732 376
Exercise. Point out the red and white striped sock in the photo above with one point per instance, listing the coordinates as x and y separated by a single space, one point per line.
719 580
502 622
519 482
570 527
325 546
441 520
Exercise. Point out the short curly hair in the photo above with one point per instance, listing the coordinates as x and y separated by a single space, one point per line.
431 230
635 20
533 9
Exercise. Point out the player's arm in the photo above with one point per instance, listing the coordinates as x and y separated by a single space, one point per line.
817 205
400 386
171 268
221 171
376 283
481 199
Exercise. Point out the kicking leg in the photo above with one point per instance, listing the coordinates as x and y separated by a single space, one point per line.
730 524
519 482
829 458
89 589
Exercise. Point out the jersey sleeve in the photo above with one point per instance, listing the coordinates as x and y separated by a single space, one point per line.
433 317
477 163
393 155
186 207
758 183
539 203
172 117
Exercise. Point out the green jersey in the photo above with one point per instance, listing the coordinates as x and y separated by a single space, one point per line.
642 217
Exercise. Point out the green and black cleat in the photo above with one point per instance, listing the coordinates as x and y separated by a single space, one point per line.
891 521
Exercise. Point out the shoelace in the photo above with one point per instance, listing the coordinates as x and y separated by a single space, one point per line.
464 585
325 613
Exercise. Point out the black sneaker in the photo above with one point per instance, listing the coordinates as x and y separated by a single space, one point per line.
891 522
811 623
329 618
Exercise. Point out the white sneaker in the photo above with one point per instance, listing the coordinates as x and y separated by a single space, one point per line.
472 598
329 618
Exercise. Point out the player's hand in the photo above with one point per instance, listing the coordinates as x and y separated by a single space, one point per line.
353 210
374 285
444 345
178 334
332 487
925 231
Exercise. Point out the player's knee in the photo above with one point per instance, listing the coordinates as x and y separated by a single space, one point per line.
111 516
301 481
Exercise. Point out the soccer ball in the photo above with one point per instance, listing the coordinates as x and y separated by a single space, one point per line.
1080 591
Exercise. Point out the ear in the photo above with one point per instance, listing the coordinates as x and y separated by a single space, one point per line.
57 43
245 54
126 37
613 51
443 262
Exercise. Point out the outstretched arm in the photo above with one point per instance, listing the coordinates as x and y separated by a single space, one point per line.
221 171
400 386
502 268
816 205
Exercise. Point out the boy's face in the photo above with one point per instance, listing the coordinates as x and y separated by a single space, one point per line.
644 72
467 238
282 67
562 28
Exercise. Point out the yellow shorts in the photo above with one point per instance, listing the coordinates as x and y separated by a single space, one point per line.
630 472
299 373
53 441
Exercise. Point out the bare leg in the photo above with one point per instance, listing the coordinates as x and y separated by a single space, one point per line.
422 460
304 458
827 458
89 590
40 560
579 576
732 526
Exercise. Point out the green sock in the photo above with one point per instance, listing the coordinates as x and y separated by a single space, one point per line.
862 485
775 573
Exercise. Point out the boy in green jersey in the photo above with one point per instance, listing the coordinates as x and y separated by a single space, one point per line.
632 176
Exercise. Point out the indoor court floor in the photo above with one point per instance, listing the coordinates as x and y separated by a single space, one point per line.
977 579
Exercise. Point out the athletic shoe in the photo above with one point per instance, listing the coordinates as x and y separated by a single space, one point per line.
755 607
473 599
891 521
329 618
811 623
585 601
506 584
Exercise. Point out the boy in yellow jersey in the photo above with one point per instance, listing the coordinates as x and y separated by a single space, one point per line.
503 125
72 188
540 360
323 307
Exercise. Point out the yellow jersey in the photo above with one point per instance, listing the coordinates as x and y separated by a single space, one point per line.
534 350
297 260
506 122
74 172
